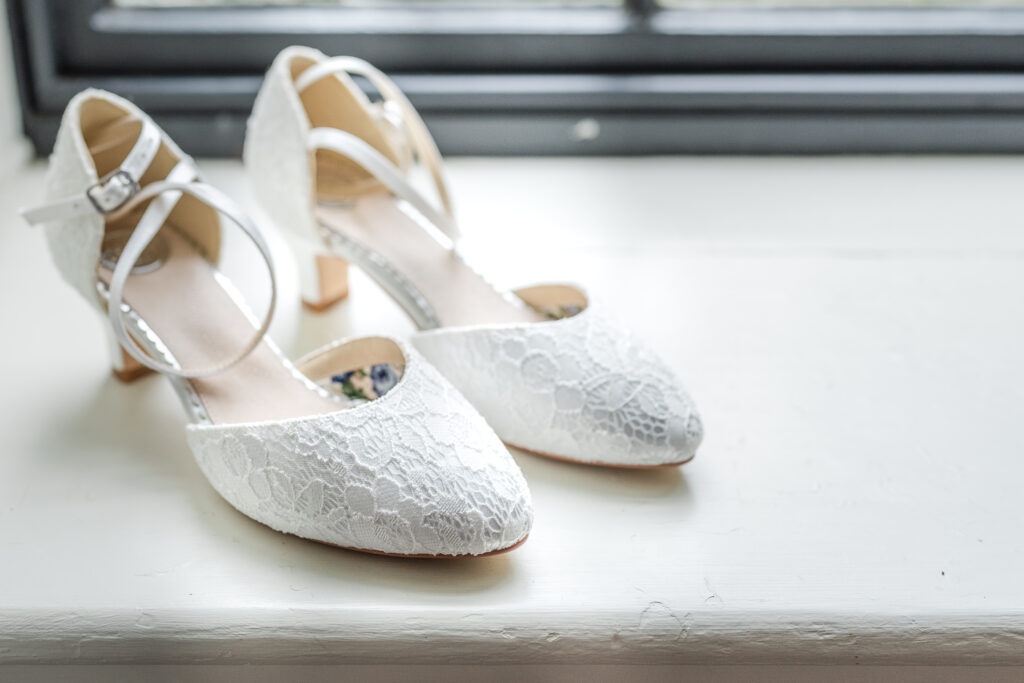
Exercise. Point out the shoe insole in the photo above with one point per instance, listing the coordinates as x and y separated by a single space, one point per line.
457 294
202 326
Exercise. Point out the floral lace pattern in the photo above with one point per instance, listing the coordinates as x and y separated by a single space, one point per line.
582 388
417 471
75 243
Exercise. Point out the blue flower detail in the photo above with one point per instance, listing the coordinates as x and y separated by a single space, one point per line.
343 377
383 377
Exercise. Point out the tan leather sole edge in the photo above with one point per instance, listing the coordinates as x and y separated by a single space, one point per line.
128 376
499 551
132 369
602 464
323 306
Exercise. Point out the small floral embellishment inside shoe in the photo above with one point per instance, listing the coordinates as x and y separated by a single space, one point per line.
559 312
364 384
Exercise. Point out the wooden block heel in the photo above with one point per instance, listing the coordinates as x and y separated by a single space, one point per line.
123 365
331 283
130 369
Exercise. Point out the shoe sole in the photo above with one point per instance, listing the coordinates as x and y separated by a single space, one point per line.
322 306
499 551
602 464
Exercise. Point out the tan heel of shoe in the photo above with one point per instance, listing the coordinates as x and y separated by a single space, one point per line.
323 277
331 286
130 369
122 364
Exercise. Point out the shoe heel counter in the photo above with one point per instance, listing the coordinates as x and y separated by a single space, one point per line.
280 171
277 163
74 244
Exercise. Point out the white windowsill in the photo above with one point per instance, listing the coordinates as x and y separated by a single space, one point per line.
851 329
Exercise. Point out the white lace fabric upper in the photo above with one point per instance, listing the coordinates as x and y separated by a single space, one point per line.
582 388
276 153
75 243
416 471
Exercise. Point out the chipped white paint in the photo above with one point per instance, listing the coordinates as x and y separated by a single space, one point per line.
851 330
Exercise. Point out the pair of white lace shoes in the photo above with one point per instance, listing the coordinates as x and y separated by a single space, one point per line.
373 444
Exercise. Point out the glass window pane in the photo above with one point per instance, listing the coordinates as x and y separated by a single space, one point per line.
148 4
838 4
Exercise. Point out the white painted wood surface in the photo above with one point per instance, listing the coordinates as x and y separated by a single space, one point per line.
851 329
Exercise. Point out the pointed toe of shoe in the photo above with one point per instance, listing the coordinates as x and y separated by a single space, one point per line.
478 506
685 434
417 472
646 423
580 388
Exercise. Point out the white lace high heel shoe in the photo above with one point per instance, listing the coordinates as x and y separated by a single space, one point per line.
396 463
543 364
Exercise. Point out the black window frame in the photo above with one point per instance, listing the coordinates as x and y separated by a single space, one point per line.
521 79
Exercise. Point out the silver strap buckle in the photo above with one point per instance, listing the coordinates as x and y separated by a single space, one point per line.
112 191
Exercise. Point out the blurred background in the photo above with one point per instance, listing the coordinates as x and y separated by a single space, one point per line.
574 77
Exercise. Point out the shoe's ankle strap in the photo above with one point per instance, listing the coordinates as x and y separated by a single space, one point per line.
422 142
377 165
167 193
118 193
109 193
